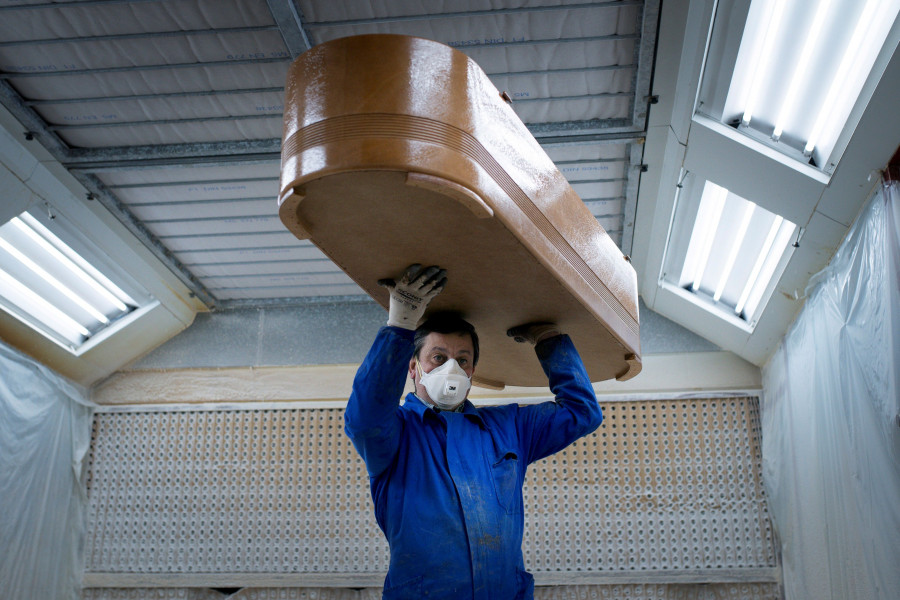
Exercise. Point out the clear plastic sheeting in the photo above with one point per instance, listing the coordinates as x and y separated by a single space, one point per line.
831 435
45 426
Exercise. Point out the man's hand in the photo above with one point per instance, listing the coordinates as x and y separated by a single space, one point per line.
533 332
411 295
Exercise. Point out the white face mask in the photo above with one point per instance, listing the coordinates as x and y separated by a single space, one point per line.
447 385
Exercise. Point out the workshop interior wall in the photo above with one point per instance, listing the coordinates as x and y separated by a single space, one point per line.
829 442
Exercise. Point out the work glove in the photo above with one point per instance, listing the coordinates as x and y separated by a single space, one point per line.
410 296
533 333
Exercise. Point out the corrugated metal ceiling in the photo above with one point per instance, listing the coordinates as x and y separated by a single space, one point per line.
170 111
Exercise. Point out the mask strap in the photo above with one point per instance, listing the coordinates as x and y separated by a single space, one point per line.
419 368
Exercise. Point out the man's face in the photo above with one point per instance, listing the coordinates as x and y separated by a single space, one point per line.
438 348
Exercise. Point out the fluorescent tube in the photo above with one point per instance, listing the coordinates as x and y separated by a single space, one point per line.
801 70
39 234
841 91
735 242
705 227
31 303
761 67
757 266
53 281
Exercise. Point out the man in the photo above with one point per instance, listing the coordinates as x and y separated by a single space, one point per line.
446 477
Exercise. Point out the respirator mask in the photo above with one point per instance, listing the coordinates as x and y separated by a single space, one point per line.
447 385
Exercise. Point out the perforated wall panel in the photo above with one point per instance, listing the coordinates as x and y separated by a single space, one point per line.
661 486
726 591
723 591
159 594
271 491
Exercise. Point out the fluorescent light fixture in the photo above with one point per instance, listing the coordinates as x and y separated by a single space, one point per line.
799 69
733 251
58 251
46 313
773 265
52 288
50 279
725 252
757 266
707 223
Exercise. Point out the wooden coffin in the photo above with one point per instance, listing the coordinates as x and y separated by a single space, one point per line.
399 150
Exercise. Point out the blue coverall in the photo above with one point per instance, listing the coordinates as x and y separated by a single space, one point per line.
447 486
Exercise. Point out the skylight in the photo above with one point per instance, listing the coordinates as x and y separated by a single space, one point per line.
52 288
725 252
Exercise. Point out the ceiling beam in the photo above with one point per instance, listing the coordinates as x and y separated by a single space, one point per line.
34 127
172 155
474 13
256 151
289 19
643 57
74 4
151 67
154 96
136 36
632 184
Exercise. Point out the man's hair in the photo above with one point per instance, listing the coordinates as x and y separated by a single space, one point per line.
446 322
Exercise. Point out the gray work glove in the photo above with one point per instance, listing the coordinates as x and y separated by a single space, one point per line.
410 296
533 333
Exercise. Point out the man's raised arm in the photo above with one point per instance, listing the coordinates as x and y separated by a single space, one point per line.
371 420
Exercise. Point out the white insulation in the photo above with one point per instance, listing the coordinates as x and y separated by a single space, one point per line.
831 430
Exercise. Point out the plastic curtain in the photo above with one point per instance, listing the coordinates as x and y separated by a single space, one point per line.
831 430
45 430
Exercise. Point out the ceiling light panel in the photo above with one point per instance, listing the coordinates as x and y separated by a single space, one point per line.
54 289
799 69
724 251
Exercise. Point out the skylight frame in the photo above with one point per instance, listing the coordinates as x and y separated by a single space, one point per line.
739 27
59 262
734 282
